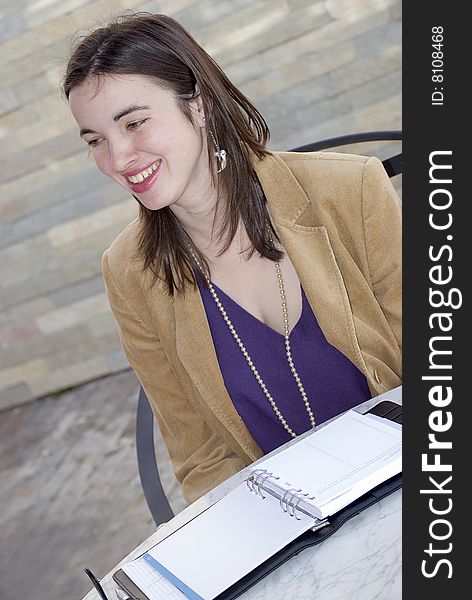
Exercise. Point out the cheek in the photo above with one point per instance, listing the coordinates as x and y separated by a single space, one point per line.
154 142
102 162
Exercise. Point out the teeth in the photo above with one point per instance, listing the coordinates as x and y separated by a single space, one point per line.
144 174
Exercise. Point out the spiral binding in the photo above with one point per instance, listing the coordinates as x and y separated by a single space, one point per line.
257 479
300 497
285 500
288 502
291 499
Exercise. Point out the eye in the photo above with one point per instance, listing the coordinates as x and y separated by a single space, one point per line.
135 124
93 143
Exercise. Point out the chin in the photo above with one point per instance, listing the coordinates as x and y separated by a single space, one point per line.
153 204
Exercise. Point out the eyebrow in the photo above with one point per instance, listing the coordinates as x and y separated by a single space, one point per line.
118 116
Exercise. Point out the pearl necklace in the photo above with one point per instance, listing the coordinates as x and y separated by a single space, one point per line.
245 353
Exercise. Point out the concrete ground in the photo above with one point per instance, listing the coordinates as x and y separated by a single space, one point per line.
70 494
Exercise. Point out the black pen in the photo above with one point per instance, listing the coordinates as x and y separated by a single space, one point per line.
96 584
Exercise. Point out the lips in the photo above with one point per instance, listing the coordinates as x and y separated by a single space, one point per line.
143 186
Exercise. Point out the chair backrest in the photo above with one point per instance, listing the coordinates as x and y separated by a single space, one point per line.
393 164
148 471
154 494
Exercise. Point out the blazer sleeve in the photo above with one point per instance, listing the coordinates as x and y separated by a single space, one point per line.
199 457
382 218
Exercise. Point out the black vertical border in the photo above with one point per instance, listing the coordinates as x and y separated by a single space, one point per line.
428 128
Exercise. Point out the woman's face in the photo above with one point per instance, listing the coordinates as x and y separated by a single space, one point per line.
139 136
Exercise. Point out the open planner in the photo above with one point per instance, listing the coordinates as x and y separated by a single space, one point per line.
291 500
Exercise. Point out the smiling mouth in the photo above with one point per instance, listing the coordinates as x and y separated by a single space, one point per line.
144 174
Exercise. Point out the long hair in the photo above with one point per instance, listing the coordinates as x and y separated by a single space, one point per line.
158 47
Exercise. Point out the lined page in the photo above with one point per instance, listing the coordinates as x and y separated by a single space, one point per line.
154 585
226 542
341 461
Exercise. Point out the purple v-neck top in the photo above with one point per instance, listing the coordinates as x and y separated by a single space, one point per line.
332 382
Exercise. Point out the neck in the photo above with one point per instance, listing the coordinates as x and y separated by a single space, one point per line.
200 220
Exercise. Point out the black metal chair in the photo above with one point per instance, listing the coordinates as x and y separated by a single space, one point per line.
154 494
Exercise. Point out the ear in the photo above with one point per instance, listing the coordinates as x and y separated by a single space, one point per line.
196 106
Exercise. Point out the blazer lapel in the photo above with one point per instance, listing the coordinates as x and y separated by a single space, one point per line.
324 287
197 353
310 251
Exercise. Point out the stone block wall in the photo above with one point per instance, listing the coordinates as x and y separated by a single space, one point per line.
315 69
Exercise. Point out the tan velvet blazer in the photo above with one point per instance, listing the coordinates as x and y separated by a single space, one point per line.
339 220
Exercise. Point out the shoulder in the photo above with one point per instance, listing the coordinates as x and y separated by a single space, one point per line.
121 261
333 183
124 246
331 170
322 161
131 289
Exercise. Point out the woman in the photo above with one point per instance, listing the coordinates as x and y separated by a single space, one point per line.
258 293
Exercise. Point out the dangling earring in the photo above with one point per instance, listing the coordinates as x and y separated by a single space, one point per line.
221 155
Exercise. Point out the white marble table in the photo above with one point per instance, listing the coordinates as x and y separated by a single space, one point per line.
360 561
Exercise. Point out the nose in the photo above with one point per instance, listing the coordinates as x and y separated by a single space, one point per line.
122 154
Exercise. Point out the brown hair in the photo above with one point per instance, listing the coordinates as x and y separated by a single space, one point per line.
158 47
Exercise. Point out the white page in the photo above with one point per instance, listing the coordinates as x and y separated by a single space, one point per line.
227 541
154 585
348 456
